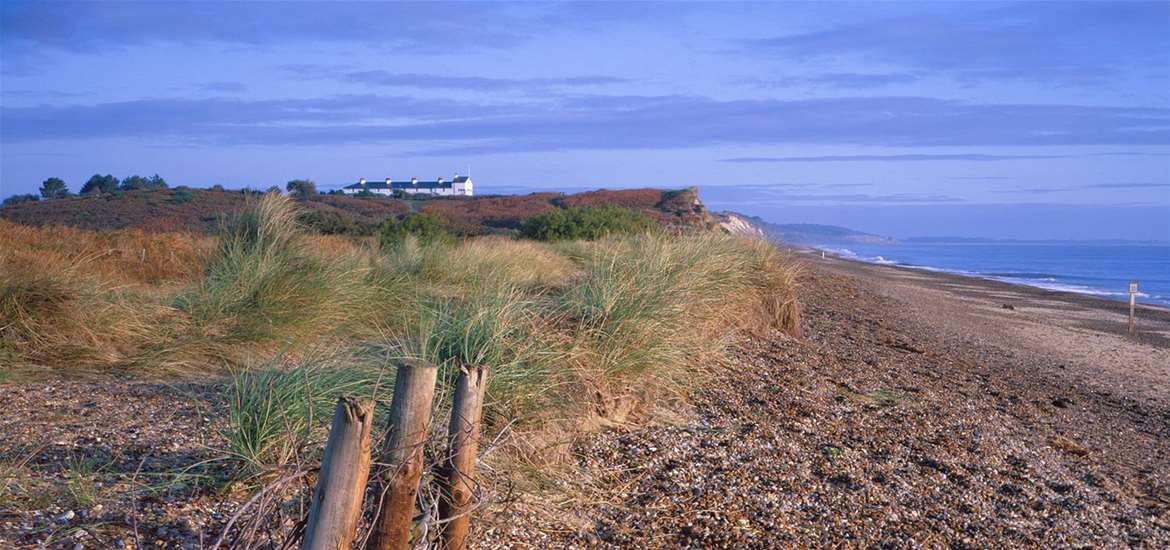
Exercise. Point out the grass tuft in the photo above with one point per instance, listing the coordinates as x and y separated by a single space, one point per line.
264 283
278 413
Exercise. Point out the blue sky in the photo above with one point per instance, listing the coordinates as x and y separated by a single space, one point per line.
1033 120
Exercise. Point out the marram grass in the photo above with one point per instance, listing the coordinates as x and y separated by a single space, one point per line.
560 325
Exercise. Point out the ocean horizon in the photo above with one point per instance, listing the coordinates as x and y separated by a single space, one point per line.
1092 268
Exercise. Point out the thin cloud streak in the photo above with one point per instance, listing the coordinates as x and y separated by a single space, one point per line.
426 81
892 158
601 122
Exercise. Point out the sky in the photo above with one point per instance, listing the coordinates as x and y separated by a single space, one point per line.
1007 120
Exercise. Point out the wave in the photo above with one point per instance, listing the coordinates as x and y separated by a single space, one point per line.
1046 281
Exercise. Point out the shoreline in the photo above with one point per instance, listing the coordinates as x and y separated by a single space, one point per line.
1065 288
1101 300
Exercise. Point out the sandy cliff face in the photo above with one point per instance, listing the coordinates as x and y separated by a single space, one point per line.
738 226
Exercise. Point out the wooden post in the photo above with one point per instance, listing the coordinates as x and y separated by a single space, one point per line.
459 473
337 501
1133 288
410 415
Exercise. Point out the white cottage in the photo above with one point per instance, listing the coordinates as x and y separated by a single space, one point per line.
459 186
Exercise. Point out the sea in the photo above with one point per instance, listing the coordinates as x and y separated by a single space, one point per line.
1103 270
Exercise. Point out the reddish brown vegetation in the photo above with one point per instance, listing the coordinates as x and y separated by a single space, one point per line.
160 211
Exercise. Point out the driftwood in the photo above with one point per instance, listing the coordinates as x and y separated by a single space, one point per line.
410 414
341 485
459 472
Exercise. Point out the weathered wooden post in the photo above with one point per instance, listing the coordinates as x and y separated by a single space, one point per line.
1133 289
410 416
459 473
345 468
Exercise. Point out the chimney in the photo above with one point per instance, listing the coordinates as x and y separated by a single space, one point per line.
387 181
440 180
414 181
362 181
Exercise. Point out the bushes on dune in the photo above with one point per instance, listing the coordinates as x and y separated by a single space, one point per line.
426 228
585 223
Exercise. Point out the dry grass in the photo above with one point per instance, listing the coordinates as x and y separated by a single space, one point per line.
570 330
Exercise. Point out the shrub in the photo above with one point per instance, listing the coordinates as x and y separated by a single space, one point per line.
181 195
427 228
585 223
330 223
17 199
302 189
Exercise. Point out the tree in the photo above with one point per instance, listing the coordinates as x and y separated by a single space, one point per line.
54 188
131 183
140 182
302 189
17 199
100 184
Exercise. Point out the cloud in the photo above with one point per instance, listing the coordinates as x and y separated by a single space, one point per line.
763 195
855 81
227 87
892 158
1056 43
1128 185
410 26
381 78
600 122
1122 185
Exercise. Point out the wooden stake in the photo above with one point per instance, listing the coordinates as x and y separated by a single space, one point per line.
345 468
1133 288
459 473
410 415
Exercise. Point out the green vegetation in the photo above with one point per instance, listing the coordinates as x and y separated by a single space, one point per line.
54 188
17 199
585 223
427 228
181 195
263 283
98 183
301 189
135 182
276 412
